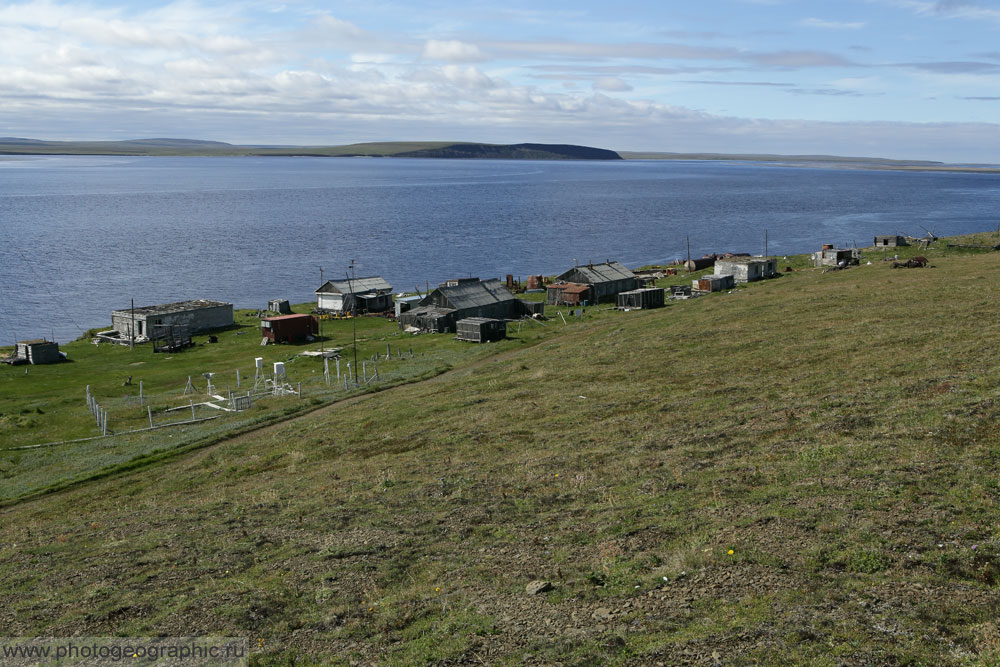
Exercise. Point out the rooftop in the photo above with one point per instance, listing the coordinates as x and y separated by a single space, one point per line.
743 260
293 316
176 307
602 273
471 295
355 286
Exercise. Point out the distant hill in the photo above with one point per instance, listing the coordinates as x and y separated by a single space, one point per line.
769 157
515 152
190 143
412 149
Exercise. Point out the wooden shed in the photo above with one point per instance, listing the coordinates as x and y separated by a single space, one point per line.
890 241
39 351
280 306
639 299
480 329
293 328
713 283
442 308
181 318
568 294
605 280
830 256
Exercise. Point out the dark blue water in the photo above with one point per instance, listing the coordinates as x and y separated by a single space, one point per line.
81 236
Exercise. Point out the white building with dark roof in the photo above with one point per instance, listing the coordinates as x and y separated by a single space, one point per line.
372 295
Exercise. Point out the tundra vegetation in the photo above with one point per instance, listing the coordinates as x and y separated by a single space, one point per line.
798 471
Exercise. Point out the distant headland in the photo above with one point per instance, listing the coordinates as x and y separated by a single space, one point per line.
399 149
11 146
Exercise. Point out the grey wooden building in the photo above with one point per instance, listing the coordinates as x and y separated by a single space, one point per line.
440 310
371 295
480 329
605 280
178 318
39 351
639 299
747 269
280 306
890 241
830 256
713 283
568 294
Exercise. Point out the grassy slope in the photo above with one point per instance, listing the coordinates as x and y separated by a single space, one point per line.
835 432
45 404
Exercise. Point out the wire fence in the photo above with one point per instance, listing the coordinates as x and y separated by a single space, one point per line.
228 395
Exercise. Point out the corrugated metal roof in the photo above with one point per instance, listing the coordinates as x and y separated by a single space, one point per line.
602 273
473 295
355 286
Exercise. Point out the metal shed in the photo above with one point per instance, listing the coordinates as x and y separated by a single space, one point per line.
293 328
605 280
480 329
649 297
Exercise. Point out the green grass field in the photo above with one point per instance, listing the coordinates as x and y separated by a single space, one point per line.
801 471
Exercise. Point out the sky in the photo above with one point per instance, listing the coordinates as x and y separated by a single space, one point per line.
907 79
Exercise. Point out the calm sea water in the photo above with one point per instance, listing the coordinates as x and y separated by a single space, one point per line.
81 236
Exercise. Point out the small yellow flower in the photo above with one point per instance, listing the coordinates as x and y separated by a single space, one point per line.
557 474
437 589
731 552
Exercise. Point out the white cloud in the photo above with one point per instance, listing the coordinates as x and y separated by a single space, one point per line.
833 25
950 8
452 50
335 28
611 84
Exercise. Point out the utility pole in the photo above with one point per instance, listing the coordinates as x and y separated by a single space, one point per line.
319 316
131 344
354 319
765 244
